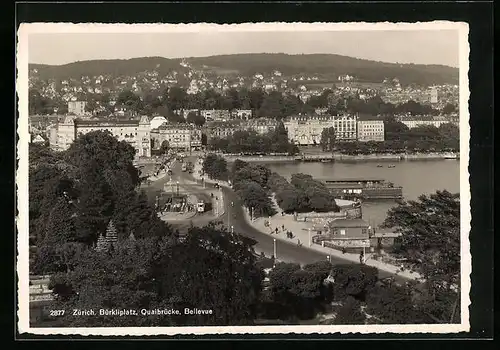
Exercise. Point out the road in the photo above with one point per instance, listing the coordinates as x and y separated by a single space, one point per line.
235 216
156 188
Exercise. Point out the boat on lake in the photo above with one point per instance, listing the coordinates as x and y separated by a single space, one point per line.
450 156
363 188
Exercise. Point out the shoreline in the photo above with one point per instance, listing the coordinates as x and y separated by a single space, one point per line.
257 224
342 158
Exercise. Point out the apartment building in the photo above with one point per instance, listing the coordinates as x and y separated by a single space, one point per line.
179 136
221 130
136 132
414 121
370 130
216 114
77 107
305 130
261 125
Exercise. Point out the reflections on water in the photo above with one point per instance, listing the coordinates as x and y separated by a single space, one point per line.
416 178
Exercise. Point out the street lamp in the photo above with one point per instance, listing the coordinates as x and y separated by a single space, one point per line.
177 188
232 229
251 214
309 236
274 249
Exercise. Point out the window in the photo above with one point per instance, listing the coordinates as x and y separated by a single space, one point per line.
364 231
342 232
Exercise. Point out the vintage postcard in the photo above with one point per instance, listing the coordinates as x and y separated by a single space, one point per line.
248 178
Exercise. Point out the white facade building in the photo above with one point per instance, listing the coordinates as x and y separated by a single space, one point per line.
135 132
370 130
77 107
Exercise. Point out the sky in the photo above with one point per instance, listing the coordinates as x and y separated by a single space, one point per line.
401 46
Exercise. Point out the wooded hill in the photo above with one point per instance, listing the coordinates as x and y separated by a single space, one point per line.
325 65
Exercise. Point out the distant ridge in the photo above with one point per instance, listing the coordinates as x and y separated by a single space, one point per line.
249 64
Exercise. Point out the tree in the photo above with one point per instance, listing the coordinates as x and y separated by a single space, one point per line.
349 313
177 98
254 196
393 129
353 280
164 147
430 228
450 108
130 101
60 227
327 141
215 167
392 305
195 118
96 205
272 105
212 269
256 98
253 172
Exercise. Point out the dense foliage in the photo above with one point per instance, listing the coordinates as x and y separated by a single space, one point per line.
430 228
74 194
250 184
212 269
327 141
215 167
250 142
303 194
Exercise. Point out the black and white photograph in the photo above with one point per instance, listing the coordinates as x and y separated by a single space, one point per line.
246 178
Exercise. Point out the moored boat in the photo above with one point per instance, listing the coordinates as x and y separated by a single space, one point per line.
367 188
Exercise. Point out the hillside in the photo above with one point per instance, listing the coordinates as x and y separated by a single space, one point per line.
115 68
249 64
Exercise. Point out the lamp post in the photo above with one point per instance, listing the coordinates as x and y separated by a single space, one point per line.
177 188
251 214
232 229
309 236
274 249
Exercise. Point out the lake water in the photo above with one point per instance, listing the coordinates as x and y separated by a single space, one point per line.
416 178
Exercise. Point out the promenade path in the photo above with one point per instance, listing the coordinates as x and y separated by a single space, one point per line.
301 232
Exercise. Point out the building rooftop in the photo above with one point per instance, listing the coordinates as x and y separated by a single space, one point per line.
107 121
340 223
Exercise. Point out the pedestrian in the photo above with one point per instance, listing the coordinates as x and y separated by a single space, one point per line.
298 242
283 227
343 250
276 230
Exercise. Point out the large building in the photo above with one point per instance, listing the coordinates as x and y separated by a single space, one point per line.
136 132
370 130
413 122
244 114
216 114
307 130
221 130
261 125
77 107
179 136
